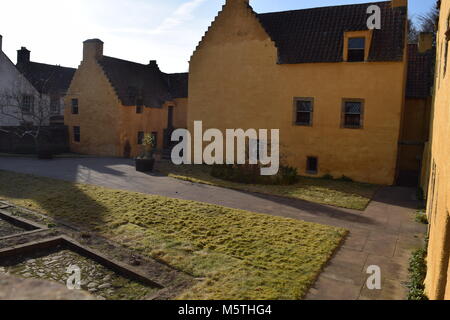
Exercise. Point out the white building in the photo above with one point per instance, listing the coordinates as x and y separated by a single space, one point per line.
15 92
29 87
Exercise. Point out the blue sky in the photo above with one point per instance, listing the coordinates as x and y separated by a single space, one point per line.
136 30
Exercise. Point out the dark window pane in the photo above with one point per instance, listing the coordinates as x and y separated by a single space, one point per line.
353 107
304 106
27 104
356 55
76 134
312 164
304 112
74 106
139 109
303 118
353 120
356 43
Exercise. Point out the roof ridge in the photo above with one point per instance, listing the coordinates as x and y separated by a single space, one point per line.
326 7
128 61
52 65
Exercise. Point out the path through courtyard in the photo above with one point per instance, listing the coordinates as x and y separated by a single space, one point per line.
383 235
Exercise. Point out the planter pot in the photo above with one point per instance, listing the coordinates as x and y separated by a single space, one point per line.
45 155
145 165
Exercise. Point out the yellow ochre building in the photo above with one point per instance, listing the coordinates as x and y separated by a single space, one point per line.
344 97
112 103
438 276
334 88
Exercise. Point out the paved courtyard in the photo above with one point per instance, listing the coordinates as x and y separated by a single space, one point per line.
383 235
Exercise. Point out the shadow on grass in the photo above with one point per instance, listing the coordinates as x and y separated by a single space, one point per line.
201 177
53 198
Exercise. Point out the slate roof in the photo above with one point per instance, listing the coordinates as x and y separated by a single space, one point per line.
317 35
420 73
178 84
138 81
47 78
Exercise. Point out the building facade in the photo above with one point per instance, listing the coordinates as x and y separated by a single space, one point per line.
125 100
51 81
14 90
438 276
334 88
416 116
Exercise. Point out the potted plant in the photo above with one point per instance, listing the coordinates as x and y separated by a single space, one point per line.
145 162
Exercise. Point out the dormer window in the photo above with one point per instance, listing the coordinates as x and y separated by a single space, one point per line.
356 49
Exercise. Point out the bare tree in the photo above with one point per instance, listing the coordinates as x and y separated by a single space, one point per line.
28 109
427 21
413 33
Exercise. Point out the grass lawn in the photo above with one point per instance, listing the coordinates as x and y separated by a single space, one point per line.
239 254
344 194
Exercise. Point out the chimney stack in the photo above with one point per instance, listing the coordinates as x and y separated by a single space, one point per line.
92 49
23 56
425 41
1 40
399 3
153 64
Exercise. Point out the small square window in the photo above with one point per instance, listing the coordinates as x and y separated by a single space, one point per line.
312 164
352 114
76 134
140 137
75 106
356 49
303 111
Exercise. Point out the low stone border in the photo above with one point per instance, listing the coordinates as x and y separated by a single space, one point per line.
72 245
20 222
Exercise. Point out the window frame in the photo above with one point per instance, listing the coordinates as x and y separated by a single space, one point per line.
75 107
75 134
311 113
312 172
27 105
343 113
367 34
355 49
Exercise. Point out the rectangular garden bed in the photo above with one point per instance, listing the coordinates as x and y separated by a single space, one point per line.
52 259
12 225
